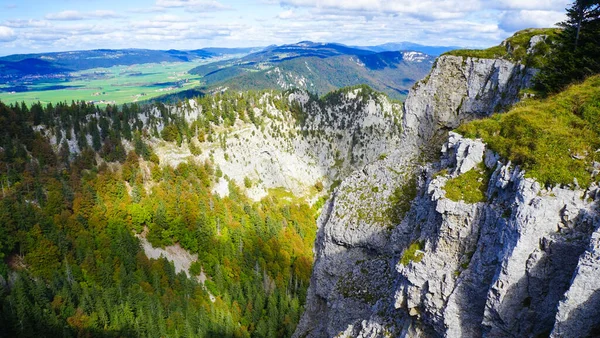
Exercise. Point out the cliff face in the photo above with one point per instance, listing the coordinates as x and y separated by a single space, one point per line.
460 89
521 261
500 266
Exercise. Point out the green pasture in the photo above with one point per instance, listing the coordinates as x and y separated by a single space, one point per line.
115 85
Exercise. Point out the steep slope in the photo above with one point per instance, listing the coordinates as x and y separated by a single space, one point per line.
133 201
482 250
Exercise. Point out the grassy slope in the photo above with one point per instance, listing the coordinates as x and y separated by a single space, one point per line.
519 43
555 139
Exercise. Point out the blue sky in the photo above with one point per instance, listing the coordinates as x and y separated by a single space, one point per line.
30 26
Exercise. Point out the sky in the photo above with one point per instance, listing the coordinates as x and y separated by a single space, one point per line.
36 26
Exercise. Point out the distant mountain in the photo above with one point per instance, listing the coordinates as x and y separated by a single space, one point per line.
319 68
392 47
62 62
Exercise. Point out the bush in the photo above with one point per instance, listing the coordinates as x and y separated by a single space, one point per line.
401 199
411 254
247 182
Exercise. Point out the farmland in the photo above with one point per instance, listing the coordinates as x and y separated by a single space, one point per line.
114 85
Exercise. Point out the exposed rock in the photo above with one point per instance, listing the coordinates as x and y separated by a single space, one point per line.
522 263
534 41
461 89
579 312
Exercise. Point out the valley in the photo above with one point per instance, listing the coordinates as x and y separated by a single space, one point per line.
302 189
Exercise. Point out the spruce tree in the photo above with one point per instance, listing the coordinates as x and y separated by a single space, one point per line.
575 55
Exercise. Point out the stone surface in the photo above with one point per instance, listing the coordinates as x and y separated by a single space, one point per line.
523 263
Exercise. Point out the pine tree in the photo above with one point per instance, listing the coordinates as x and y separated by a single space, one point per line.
575 55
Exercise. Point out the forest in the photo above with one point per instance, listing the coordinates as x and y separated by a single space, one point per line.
80 183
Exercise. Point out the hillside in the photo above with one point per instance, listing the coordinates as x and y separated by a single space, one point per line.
226 186
14 66
319 68
491 236
470 210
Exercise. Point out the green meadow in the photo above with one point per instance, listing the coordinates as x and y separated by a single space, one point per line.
114 85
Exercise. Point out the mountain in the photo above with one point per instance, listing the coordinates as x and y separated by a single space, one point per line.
62 62
470 210
319 68
397 46
491 219
195 219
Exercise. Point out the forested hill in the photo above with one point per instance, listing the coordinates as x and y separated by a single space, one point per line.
80 185
61 62
319 68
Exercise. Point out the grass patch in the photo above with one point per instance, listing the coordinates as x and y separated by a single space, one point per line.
401 199
469 187
515 48
411 254
554 140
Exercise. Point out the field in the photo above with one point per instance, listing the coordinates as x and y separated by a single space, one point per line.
114 85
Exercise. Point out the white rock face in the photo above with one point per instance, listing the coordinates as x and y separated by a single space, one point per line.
499 266
334 140
522 263
461 89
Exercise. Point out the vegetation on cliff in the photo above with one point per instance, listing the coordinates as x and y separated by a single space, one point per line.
517 48
555 139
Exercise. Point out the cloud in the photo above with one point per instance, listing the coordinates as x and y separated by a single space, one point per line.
194 5
148 10
517 20
66 16
286 15
7 34
434 9
541 5
76 15
19 23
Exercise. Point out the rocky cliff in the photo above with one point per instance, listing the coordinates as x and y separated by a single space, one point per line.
398 255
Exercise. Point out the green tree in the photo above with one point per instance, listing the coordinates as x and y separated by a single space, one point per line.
575 55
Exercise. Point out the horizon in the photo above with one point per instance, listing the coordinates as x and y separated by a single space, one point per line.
258 48
34 26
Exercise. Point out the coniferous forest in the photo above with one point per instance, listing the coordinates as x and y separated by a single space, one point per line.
71 263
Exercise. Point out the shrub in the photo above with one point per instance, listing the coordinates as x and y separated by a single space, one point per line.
411 254
247 182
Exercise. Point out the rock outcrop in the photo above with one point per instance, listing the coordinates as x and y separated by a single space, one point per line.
461 89
523 262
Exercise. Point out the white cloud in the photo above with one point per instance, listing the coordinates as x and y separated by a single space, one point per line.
517 20
286 14
7 34
66 16
19 23
440 9
76 15
193 5
541 5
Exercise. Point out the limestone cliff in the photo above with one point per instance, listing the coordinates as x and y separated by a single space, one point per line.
522 261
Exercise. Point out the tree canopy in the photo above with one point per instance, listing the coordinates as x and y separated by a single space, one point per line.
576 53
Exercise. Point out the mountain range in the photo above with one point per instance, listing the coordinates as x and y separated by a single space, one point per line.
319 68
64 62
